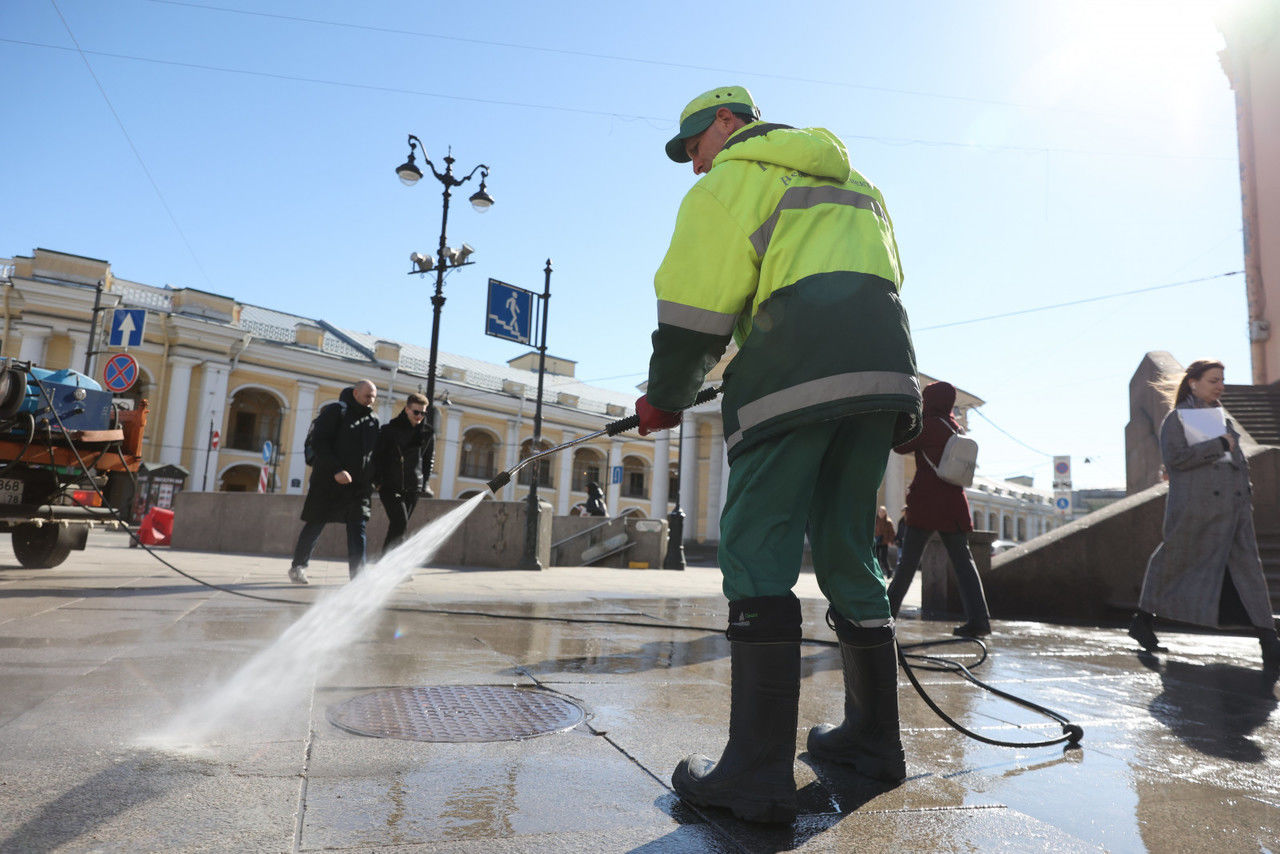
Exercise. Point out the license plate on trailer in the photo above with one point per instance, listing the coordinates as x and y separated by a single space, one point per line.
10 490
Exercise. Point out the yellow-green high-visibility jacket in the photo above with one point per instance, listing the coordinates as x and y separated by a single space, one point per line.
785 247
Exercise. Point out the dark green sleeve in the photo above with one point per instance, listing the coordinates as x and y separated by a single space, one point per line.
681 360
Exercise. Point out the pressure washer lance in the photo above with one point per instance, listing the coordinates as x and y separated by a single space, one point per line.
622 425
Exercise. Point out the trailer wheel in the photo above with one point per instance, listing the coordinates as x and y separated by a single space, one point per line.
43 546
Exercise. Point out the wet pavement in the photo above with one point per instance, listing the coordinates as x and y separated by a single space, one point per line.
1181 750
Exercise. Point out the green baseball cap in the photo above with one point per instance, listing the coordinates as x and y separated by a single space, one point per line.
701 111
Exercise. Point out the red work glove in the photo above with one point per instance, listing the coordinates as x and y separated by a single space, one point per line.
653 419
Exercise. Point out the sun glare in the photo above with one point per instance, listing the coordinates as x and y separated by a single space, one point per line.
1151 57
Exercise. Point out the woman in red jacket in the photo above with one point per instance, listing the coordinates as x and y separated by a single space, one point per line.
935 505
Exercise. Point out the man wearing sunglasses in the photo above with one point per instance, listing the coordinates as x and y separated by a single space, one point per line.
404 443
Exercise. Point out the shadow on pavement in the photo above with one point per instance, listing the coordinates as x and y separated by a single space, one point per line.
107 794
1213 708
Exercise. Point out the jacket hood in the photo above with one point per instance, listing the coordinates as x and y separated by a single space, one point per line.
939 399
348 396
814 151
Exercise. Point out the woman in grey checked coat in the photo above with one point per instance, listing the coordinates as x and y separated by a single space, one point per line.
1207 571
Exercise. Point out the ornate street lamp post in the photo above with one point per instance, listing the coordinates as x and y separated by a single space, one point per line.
533 512
446 258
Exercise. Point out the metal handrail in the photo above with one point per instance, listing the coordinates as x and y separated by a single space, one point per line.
628 512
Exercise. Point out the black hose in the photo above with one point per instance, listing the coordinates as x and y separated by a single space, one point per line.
1072 733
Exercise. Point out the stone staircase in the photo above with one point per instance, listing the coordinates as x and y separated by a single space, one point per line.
1269 551
1256 409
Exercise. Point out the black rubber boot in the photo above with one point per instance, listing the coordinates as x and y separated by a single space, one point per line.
754 776
869 739
1142 629
973 629
1270 648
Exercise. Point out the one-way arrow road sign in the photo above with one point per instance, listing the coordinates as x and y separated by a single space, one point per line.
126 327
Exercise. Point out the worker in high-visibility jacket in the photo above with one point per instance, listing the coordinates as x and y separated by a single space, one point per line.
786 248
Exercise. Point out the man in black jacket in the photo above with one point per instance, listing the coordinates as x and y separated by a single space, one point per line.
344 436
403 443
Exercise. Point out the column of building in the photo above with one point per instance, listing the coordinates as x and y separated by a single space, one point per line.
716 481
213 399
451 423
34 339
174 423
513 457
661 475
564 482
304 412
79 347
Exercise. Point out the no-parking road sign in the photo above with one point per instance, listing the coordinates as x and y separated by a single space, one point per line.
120 373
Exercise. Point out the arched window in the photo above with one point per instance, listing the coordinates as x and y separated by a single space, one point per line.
977 520
673 482
588 466
1022 529
479 455
1006 528
635 478
252 419
542 466
241 478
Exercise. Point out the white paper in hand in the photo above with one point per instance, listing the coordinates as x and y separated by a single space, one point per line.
1201 425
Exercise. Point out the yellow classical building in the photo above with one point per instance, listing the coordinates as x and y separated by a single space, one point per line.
223 378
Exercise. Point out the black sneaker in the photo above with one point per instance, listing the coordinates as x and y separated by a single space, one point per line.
972 630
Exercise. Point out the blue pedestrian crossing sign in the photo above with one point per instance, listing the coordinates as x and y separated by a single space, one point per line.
126 327
510 312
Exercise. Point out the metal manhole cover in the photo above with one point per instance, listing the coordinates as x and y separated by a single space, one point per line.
457 713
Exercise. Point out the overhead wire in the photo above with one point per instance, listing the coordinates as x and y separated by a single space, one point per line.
1099 298
129 139
297 78
656 121
845 84
1007 433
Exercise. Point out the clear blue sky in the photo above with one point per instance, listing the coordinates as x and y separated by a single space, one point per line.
1031 154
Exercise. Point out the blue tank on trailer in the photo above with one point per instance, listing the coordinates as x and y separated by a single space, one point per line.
78 401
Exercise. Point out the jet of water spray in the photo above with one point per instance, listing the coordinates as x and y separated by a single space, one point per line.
280 674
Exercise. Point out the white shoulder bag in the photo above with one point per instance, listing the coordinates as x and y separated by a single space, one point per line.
959 459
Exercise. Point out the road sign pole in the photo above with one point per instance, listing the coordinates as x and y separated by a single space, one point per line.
204 480
90 351
530 560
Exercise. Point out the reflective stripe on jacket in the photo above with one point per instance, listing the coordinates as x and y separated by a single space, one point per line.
787 249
